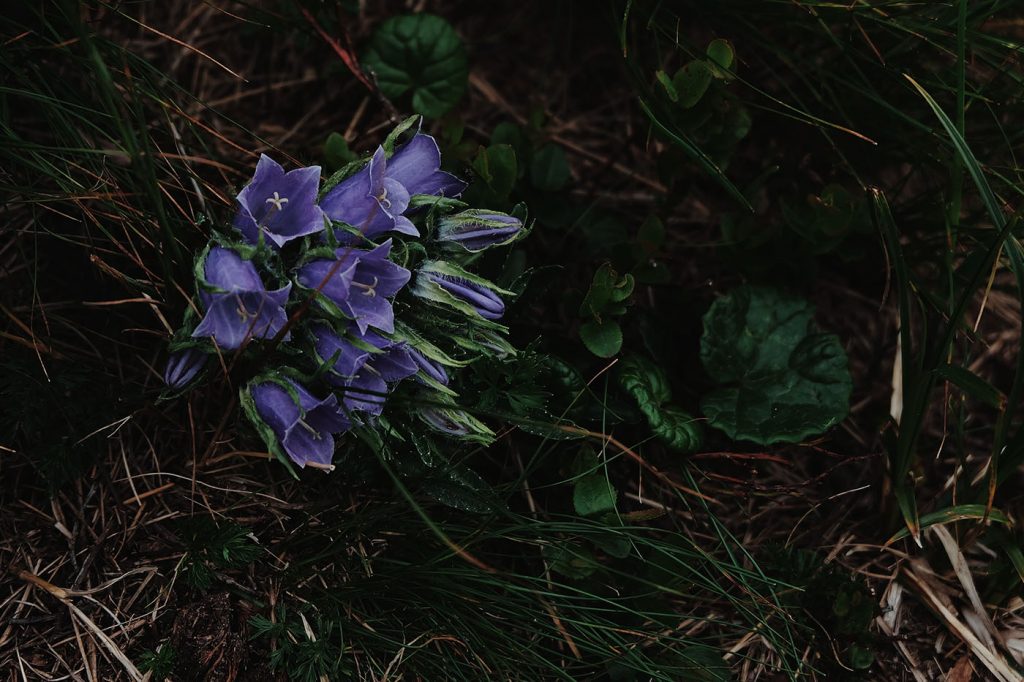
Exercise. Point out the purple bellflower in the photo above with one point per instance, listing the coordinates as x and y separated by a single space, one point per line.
430 368
242 308
305 429
363 375
375 199
182 367
282 206
460 292
476 230
361 285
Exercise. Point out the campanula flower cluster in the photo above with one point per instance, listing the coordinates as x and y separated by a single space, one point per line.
348 301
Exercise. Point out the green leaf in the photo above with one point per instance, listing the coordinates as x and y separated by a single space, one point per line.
666 82
571 560
461 488
651 234
691 82
593 494
419 54
973 385
677 428
606 288
336 151
549 170
779 380
649 386
496 165
721 57
645 381
960 512
603 339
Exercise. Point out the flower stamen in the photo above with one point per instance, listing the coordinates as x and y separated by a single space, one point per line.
368 289
277 201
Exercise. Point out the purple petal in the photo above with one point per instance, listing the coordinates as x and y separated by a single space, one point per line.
226 270
395 364
371 311
485 301
304 446
182 367
432 369
275 406
333 280
366 392
416 165
232 318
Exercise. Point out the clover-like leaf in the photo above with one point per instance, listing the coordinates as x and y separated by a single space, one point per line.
780 380
420 54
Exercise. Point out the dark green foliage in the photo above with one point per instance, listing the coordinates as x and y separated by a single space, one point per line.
779 379
419 54
160 663
210 547
838 607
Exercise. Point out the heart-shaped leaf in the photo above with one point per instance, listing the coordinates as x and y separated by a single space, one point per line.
420 54
780 379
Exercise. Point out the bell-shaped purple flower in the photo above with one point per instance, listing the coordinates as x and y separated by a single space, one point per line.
375 199
476 230
430 368
182 367
364 375
241 308
372 280
370 201
443 421
282 206
466 294
417 165
304 427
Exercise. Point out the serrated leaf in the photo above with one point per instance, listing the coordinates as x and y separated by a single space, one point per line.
779 379
549 170
645 381
420 54
691 82
593 494
603 339
677 428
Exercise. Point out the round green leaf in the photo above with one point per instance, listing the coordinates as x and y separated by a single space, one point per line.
420 54
691 82
779 379
722 56
603 339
